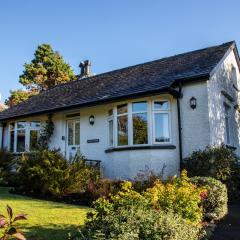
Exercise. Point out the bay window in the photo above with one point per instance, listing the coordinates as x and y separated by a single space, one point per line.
23 136
139 123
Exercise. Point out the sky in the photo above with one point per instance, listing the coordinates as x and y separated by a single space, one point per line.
112 34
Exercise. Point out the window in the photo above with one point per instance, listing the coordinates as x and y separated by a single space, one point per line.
21 134
110 128
161 122
227 122
73 132
122 125
135 120
140 123
24 136
34 133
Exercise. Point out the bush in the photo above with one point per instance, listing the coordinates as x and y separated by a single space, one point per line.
217 162
47 172
101 188
129 215
179 196
215 204
7 162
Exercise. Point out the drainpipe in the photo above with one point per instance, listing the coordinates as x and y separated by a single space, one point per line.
180 126
1 135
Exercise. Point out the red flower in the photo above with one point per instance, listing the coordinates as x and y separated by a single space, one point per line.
203 195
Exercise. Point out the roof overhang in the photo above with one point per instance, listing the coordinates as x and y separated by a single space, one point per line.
164 90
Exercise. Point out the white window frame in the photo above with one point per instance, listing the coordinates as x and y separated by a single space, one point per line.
131 124
111 118
227 115
27 129
163 111
150 122
74 120
116 129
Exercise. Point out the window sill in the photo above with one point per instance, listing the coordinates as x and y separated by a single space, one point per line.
129 148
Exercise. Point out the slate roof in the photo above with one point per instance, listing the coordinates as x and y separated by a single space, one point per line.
158 75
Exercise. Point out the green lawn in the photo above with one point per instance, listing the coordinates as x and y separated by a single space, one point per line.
46 219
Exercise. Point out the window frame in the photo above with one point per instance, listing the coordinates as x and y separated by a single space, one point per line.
27 130
150 121
163 111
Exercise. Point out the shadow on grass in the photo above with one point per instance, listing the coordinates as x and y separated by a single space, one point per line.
50 232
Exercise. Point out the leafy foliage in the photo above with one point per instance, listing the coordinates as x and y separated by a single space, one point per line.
7 225
215 203
218 162
179 196
46 70
129 215
19 95
47 172
46 133
7 162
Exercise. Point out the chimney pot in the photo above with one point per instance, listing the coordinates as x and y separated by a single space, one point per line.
85 69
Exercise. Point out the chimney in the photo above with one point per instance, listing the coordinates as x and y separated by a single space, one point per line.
85 67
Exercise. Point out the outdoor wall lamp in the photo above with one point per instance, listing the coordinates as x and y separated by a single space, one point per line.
91 119
193 102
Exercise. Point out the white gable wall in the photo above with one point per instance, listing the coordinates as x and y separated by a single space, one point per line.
223 78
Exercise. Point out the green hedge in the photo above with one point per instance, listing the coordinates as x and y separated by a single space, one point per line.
215 204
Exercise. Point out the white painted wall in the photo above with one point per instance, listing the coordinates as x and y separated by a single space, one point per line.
224 76
195 123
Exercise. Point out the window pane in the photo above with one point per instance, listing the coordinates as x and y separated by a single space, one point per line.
20 140
70 133
122 130
77 133
161 127
161 105
34 135
140 132
110 126
21 124
122 109
35 124
11 141
139 107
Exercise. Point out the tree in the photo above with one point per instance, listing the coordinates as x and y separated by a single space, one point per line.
46 70
18 96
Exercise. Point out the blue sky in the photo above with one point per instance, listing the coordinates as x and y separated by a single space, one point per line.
112 34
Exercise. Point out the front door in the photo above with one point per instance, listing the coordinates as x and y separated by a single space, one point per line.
73 138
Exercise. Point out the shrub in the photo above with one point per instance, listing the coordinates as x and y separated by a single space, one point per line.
47 172
217 162
7 225
101 188
178 195
128 215
215 204
7 162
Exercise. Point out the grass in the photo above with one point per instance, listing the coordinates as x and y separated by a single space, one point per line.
46 219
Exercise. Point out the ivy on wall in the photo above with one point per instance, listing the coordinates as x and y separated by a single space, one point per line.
46 133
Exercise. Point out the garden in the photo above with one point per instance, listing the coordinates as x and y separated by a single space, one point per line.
60 199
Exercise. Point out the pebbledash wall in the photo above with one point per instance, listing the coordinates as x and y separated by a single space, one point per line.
201 127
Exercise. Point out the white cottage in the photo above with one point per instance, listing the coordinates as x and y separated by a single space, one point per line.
152 114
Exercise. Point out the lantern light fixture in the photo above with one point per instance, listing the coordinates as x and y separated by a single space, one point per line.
193 102
91 120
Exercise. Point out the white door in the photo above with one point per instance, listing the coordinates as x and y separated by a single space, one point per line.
73 138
